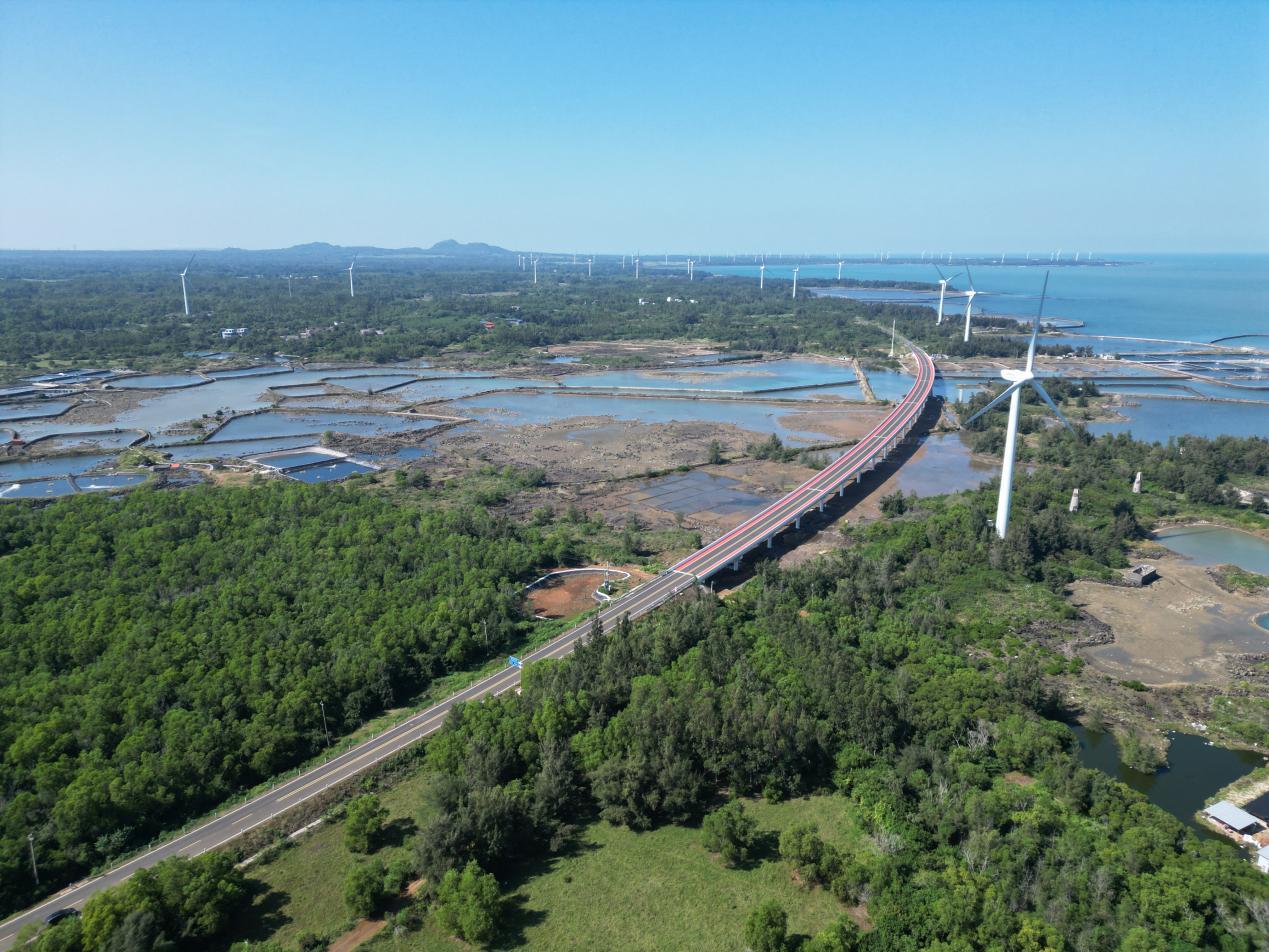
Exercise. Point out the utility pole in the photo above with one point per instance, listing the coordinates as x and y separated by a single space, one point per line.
35 870
322 705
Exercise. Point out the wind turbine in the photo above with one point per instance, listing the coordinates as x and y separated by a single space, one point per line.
289 278
636 267
943 283
184 295
795 281
1018 379
351 291
535 269
969 300
762 275
690 262
839 269
589 262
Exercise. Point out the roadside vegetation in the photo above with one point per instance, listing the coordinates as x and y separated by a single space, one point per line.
164 651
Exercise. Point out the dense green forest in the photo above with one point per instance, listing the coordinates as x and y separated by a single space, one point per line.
165 650
134 314
890 673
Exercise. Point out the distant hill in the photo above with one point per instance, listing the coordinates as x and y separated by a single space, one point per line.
313 254
470 249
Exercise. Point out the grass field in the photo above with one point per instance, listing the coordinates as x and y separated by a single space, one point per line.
658 890
301 888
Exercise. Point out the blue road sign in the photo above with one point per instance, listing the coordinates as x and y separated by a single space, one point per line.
515 662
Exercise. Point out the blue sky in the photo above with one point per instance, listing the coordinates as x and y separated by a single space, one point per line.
610 127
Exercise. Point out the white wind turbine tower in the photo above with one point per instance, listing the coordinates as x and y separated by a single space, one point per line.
289 279
969 300
762 275
535 269
839 269
943 283
351 291
636 267
1018 379
184 295
589 263
690 262
795 281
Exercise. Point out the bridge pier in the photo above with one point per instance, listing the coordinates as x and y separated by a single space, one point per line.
841 491
769 538
797 523
735 565
821 507
859 478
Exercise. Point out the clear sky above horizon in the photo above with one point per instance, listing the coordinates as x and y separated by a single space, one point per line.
608 127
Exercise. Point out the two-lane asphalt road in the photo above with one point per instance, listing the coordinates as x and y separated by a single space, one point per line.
725 550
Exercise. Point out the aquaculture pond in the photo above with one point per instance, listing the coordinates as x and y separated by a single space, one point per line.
1156 420
265 370
1217 545
61 486
32 411
103 439
889 384
232 449
464 385
52 466
292 460
158 381
273 423
374 383
1195 771
328 472
755 377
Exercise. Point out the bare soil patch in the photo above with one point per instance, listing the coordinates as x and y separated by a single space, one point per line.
840 424
651 351
1182 629
567 595
589 449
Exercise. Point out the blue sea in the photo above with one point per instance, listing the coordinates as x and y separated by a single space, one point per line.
1199 298
1175 297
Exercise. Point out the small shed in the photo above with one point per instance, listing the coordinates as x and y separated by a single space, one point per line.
1141 575
1262 859
1232 818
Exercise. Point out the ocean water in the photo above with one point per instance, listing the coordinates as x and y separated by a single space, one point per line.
1175 297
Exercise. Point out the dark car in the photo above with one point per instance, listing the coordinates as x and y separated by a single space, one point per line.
57 915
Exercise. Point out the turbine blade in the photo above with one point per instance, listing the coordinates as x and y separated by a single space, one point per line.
1004 393
1035 330
1052 406
969 275
941 274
